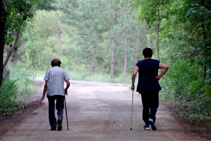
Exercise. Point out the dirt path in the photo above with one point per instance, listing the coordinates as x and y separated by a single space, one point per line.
98 112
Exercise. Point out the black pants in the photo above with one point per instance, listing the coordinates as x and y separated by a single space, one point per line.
51 109
150 102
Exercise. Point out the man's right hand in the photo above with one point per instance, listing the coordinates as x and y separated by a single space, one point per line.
132 87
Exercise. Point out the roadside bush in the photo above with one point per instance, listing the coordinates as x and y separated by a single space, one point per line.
8 91
23 80
184 85
14 92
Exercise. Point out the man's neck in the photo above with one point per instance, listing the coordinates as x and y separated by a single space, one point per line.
147 58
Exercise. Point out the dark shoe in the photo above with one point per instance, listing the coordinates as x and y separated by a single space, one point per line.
152 123
53 129
146 127
59 127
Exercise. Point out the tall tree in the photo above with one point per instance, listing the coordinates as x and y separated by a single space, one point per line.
85 16
153 11
18 12
2 35
45 37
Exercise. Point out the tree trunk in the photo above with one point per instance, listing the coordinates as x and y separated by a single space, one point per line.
14 57
14 44
6 73
125 63
2 35
93 64
113 50
113 59
158 30
149 42
93 60
125 58
14 54
205 36
136 57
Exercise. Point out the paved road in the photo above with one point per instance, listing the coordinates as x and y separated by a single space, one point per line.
98 112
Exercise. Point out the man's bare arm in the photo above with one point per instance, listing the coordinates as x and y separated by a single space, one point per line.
67 86
165 69
135 71
44 90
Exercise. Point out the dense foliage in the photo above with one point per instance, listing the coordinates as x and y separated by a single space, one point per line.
14 13
185 44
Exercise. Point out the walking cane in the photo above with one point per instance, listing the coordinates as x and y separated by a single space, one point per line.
131 120
66 113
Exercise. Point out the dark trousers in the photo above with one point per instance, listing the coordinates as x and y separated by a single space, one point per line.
150 102
51 109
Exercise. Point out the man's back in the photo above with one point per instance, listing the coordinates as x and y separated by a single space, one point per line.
148 70
56 77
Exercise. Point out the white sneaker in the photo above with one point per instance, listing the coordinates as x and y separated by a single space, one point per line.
153 126
146 127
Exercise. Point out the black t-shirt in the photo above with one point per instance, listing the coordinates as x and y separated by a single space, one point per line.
148 70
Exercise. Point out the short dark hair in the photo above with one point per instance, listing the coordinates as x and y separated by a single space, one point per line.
55 62
147 52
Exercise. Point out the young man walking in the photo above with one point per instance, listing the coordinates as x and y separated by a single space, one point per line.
148 86
54 85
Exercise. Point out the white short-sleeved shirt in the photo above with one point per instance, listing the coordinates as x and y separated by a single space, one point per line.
56 77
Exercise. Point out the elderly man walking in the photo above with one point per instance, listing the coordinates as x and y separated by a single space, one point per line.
54 86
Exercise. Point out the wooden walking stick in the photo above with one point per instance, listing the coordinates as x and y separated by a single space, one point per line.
66 112
131 120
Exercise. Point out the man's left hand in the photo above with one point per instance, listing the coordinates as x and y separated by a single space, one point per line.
158 77
65 91
42 99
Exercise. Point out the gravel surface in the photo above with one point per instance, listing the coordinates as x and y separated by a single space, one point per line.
96 112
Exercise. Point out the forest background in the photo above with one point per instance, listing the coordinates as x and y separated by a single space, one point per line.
102 40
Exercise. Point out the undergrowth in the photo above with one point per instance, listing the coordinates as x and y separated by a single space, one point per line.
8 91
15 91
